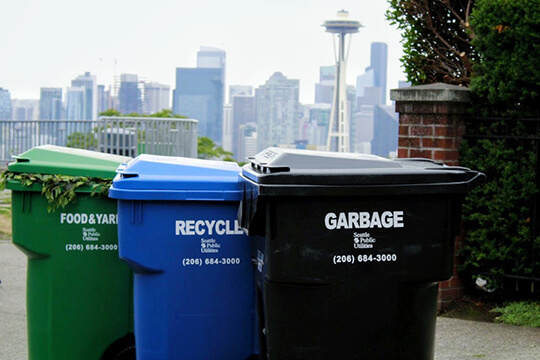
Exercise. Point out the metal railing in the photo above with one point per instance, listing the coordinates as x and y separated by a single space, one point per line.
128 136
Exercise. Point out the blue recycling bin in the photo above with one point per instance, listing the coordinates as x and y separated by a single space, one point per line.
193 278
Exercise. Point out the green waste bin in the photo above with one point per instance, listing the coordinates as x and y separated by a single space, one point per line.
79 293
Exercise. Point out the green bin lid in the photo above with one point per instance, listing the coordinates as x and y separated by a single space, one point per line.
58 160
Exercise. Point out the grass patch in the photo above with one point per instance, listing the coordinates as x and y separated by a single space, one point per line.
520 313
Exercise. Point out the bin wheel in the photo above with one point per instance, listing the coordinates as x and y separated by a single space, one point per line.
121 349
126 354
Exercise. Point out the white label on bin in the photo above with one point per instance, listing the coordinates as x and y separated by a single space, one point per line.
90 234
210 246
82 218
364 220
363 240
207 227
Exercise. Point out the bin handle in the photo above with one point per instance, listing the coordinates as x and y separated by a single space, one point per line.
477 180
262 167
121 168
123 174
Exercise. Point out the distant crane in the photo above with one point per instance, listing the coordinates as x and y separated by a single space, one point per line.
338 130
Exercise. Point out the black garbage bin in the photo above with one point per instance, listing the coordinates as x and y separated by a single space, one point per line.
349 251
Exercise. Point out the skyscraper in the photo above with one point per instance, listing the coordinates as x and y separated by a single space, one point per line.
227 142
240 110
212 58
87 82
75 103
5 104
103 96
243 112
199 95
366 91
379 65
324 90
277 111
25 109
385 131
318 119
247 141
50 104
239 90
200 92
129 94
371 94
156 97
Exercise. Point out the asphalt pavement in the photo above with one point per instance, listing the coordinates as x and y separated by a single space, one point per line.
455 339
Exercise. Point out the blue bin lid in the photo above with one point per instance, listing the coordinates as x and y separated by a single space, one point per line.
151 177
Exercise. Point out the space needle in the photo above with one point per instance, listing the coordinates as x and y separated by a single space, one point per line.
338 130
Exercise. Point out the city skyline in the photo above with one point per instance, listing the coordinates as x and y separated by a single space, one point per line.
259 37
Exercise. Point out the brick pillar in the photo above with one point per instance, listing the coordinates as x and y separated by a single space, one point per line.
431 126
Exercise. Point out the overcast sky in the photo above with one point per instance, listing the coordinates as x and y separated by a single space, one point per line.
47 43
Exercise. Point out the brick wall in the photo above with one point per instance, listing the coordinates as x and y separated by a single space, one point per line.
431 126
431 131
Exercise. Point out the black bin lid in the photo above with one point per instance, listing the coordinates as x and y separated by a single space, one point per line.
279 171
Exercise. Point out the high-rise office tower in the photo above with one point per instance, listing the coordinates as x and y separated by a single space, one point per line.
50 108
370 94
90 105
247 141
324 90
385 131
50 104
212 58
156 97
240 110
277 107
379 65
239 90
243 112
25 109
129 94
226 140
200 93
338 131
104 99
75 103
318 119
5 105
77 109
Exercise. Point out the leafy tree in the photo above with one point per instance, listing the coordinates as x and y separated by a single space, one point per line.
436 39
207 149
165 113
507 79
110 112
81 140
